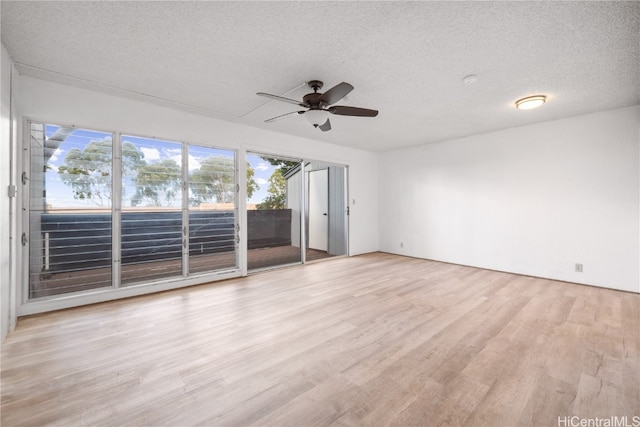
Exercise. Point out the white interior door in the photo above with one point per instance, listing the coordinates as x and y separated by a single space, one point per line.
318 209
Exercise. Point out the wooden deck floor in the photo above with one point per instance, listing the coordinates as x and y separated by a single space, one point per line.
47 284
368 340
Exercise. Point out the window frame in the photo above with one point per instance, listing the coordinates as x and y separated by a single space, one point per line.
27 306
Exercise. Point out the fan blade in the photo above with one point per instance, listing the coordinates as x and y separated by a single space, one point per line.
325 126
281 98
336 93
273 119
343 110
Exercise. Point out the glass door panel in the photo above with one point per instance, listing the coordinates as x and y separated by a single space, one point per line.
70 220
273 211
151 221
212 209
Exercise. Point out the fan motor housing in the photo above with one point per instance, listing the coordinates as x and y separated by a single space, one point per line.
311 99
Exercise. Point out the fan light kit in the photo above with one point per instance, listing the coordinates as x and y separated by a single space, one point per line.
316 117
320 105
530 102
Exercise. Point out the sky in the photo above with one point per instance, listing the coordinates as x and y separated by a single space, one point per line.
262 173
60 195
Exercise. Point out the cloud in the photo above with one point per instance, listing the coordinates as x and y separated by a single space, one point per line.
261 181
194 162
150 153
262 166
56 155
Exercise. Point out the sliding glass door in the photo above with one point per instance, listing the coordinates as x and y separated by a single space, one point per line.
273 211
296 211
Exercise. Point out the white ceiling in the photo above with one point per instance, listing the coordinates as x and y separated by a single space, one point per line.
406 59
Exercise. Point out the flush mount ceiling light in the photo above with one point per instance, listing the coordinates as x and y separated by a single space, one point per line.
470 79
530 102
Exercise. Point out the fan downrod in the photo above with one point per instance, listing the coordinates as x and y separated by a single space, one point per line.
316 85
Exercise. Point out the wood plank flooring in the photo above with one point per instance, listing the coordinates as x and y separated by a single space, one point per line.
369 340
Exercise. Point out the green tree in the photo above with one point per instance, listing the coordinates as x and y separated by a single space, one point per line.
158 183
214 180
252 185
88 171
284 165
132 158
277 192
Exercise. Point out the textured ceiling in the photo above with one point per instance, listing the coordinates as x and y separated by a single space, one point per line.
406 59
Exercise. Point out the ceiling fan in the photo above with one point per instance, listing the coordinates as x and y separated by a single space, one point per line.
319 105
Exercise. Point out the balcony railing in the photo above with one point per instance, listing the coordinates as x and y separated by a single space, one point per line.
83 240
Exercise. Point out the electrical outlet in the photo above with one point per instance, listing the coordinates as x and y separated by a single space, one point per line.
578 268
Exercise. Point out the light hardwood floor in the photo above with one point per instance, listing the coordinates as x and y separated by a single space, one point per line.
369 340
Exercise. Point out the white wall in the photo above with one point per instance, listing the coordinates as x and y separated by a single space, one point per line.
6 319
532 200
